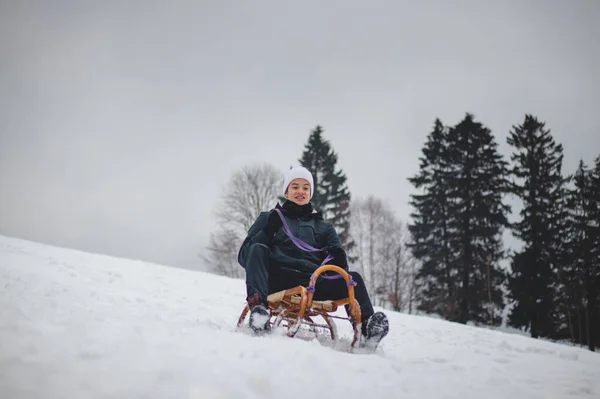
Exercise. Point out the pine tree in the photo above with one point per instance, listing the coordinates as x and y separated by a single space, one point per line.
331 195
478 175
582 275
430 240
594 289
539 184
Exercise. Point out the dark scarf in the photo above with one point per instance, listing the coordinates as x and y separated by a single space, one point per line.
296 211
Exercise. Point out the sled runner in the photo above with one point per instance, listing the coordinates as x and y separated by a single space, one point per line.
294 307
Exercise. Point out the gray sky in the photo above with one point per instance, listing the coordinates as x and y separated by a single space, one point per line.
121 122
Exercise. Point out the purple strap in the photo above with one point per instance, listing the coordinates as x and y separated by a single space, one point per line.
305 247
298 242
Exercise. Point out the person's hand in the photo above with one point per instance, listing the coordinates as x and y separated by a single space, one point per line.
274 223
339 256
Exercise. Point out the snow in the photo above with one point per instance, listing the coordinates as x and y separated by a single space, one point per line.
80 325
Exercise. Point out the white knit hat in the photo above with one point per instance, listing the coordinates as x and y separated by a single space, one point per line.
298 172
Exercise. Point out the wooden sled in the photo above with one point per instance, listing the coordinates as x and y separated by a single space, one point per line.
294 307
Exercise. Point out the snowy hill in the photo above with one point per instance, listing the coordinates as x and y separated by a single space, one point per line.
78 325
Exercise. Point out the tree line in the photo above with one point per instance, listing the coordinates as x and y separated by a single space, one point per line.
450 259
551 285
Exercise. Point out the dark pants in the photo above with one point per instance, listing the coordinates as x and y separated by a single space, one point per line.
263 279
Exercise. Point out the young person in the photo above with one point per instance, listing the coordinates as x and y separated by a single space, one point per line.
273 262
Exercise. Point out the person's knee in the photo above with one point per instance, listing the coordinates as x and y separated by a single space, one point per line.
258 255
357 277
258 249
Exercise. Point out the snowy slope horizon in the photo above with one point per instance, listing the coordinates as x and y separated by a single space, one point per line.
81 325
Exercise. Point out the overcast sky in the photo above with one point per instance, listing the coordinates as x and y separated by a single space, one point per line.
121 122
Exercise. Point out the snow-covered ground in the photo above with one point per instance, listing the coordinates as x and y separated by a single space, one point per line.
79 325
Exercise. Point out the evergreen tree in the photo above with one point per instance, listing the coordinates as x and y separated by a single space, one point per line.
594 287
478 175
430 239
539 184
331 195
582 274
595 210
458 221
520 278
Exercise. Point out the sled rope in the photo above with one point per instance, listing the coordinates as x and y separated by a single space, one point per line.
305 247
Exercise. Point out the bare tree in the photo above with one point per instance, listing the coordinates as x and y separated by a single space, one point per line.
414 290
383 257
251 190
223 251
397 270
368 216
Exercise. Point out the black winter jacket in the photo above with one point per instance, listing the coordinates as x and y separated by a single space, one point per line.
310 228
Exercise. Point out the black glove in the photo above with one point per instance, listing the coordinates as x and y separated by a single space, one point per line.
339 256
274 223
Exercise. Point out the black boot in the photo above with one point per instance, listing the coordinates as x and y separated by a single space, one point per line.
374 330
260 317
260 320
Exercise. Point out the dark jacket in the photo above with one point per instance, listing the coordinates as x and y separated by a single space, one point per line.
307 226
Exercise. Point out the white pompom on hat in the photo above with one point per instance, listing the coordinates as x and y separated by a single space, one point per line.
298 172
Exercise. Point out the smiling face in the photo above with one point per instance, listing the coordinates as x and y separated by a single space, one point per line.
298 191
